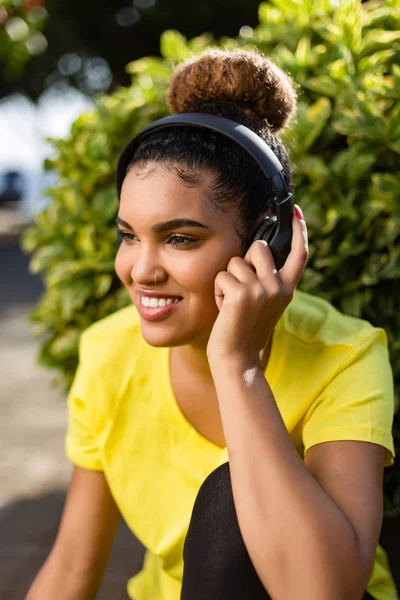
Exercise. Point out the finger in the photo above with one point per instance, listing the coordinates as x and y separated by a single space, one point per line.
225 283
293 268
243 270
260 256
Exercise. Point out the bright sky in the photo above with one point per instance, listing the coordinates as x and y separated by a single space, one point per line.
24 125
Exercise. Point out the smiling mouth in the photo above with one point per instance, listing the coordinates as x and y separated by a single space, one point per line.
149 302
154 313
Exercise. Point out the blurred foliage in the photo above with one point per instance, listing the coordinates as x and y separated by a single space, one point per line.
89 43
21 37
344 145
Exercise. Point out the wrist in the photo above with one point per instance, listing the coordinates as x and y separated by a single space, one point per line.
233 364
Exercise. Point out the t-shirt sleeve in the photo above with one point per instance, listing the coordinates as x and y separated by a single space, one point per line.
80 442
358 403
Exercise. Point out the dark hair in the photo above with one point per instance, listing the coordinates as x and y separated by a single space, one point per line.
243 86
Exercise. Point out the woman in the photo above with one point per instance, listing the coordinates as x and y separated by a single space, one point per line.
240 426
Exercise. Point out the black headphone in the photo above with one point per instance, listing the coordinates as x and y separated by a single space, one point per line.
277 230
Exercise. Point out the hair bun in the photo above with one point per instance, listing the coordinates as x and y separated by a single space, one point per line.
247 78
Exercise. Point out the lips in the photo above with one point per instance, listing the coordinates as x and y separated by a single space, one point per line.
157 313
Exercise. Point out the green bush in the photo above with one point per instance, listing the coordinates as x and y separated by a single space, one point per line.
344 144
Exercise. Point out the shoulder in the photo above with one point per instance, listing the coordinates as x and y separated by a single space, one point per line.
312 320
112 339
343 364
109 353
124 320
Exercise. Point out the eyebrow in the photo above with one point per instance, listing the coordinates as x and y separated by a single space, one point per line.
166 225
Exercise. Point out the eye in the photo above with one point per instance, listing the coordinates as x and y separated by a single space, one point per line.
175 239
123 236
184 240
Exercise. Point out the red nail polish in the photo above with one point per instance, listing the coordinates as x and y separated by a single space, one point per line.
298 212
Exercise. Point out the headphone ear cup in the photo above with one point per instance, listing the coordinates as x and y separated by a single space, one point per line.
266 231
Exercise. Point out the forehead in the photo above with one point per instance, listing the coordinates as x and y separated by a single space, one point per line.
157 193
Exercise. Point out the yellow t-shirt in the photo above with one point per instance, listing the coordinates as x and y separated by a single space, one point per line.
330 376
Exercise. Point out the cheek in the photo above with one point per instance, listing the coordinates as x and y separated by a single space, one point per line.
122 266
192 276
198 275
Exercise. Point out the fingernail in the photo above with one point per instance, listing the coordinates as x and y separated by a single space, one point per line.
298 212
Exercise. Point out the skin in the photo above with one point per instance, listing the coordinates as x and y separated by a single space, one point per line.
153 194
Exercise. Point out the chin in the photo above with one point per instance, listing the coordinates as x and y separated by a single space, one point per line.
153 334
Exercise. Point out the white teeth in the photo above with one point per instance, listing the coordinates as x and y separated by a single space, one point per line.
156 302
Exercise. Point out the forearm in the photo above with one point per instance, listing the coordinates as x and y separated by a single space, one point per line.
56 581
301 544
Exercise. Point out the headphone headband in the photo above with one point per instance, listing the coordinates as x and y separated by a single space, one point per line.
245 137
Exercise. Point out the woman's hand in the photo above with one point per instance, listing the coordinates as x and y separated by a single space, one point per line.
251 303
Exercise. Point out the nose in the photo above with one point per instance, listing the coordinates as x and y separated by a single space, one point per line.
145 263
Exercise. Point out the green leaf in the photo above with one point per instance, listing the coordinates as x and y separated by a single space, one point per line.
34 236
360 120
359 165
313 167
329 31
65 345
378 39
68 271
46 256
74 296
105 204
86 240
395 146
352 305
313 119
323 85
338 69
376 16
394 123
303 52
173 45
102 284
375 60
201 43
386 187
392 269
269 15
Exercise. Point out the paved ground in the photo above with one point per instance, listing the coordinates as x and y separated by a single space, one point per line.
34 472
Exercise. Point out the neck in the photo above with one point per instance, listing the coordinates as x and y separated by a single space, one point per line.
192 359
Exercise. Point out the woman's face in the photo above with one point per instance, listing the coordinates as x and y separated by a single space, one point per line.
184 267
